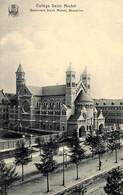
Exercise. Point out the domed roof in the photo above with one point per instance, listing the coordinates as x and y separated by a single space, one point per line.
84 97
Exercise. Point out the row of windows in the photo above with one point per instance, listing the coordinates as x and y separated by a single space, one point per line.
49 126
3 110
85 78
69 75
55 113
114 121
50 105
71 84
112 103
111 108
113 114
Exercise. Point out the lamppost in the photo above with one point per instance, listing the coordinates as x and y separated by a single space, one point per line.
23 138
63 166
31 144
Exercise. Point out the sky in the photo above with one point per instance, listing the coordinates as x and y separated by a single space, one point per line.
45 44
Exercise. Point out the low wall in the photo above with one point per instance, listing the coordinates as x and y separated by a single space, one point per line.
7 144
72 190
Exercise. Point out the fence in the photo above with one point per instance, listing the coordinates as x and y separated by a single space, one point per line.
7 144
29 140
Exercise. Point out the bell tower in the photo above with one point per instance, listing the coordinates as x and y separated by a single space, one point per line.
20 78
70 87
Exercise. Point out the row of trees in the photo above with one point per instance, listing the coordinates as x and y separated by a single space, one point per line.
99 143
105 141
47 163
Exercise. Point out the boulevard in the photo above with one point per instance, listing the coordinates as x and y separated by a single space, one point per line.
88 168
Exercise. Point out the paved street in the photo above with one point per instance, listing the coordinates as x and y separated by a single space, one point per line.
87 169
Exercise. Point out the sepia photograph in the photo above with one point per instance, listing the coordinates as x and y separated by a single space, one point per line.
61 97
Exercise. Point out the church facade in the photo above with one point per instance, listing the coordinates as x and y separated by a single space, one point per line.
55 108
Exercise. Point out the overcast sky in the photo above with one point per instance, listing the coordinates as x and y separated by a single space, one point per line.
45 43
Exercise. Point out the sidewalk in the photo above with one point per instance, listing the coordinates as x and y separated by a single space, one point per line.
87 169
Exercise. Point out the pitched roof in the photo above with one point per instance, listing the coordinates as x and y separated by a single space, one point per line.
20 69
3 97
108 102
54 90
35 90
101 115
74 117
48 90
81 118
84 97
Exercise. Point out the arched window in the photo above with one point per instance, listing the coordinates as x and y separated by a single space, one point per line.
68 84
63 112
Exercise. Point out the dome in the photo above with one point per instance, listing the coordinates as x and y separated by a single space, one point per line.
84 97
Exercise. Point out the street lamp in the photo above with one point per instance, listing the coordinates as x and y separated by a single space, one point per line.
23 138
31 144
63 167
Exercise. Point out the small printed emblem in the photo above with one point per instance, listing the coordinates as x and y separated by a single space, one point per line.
13 10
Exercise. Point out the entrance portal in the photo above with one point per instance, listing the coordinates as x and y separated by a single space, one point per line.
82 131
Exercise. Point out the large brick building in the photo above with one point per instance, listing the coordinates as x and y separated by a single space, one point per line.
54 108
112 110
4 105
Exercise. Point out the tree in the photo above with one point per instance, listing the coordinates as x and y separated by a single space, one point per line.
54 144
114 185
39 143
99 148
47 163
77 152
22 156
90 141
114 142
8 175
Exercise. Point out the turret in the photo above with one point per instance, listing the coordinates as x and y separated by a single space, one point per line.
20 78
85 77
70 87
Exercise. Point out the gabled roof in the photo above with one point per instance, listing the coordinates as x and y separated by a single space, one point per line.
3 97
101 115
81 118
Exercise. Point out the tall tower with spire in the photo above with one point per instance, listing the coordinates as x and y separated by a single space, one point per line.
85 77
70 86
20 78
